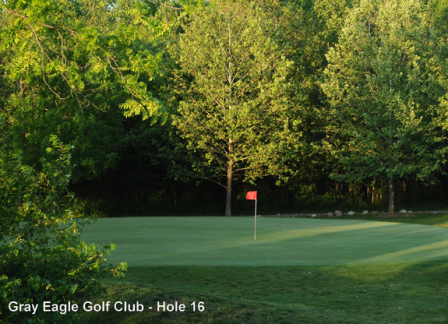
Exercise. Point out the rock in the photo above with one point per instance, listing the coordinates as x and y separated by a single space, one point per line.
402 211
278 214
365 212
375 212
351 213
409 211
330 214
314 215
338 213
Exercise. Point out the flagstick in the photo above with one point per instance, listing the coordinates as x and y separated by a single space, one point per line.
255 226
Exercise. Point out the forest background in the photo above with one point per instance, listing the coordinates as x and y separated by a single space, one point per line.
181 107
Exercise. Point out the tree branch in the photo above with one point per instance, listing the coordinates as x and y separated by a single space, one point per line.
214 181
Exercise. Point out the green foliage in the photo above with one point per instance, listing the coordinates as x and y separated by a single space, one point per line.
382 84
74 69
106 76
232 86
305 30
41 255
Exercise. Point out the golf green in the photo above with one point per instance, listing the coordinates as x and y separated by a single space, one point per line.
157 241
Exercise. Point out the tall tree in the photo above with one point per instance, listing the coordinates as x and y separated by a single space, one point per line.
233 90
382 85
306 30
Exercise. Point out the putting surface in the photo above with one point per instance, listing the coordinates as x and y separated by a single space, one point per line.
157 241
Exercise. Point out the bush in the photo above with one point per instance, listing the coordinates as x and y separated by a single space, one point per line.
42 257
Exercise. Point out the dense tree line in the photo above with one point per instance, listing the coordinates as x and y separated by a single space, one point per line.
170 102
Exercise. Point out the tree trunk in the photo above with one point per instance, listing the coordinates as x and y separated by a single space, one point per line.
229 190
391 196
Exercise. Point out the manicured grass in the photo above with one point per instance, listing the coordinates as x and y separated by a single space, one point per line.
158 241
381 293
298 270
423 219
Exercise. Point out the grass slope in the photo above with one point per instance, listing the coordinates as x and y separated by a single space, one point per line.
298 270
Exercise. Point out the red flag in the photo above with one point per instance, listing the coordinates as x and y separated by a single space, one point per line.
251 195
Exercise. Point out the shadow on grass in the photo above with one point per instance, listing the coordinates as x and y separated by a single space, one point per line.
362 242
369 273
361 293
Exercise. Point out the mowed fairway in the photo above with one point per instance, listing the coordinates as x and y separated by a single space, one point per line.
316 271
207 241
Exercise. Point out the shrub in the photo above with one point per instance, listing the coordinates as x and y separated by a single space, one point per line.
42 257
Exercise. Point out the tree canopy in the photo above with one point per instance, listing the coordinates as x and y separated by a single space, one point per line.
233 93
314 93
382 84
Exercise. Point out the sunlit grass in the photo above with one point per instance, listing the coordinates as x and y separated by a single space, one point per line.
440 219
298 271
158 241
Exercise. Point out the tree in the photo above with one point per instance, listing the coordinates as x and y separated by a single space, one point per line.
306 30
74 69
233 91
382 85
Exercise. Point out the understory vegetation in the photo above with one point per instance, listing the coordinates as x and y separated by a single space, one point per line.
42 257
